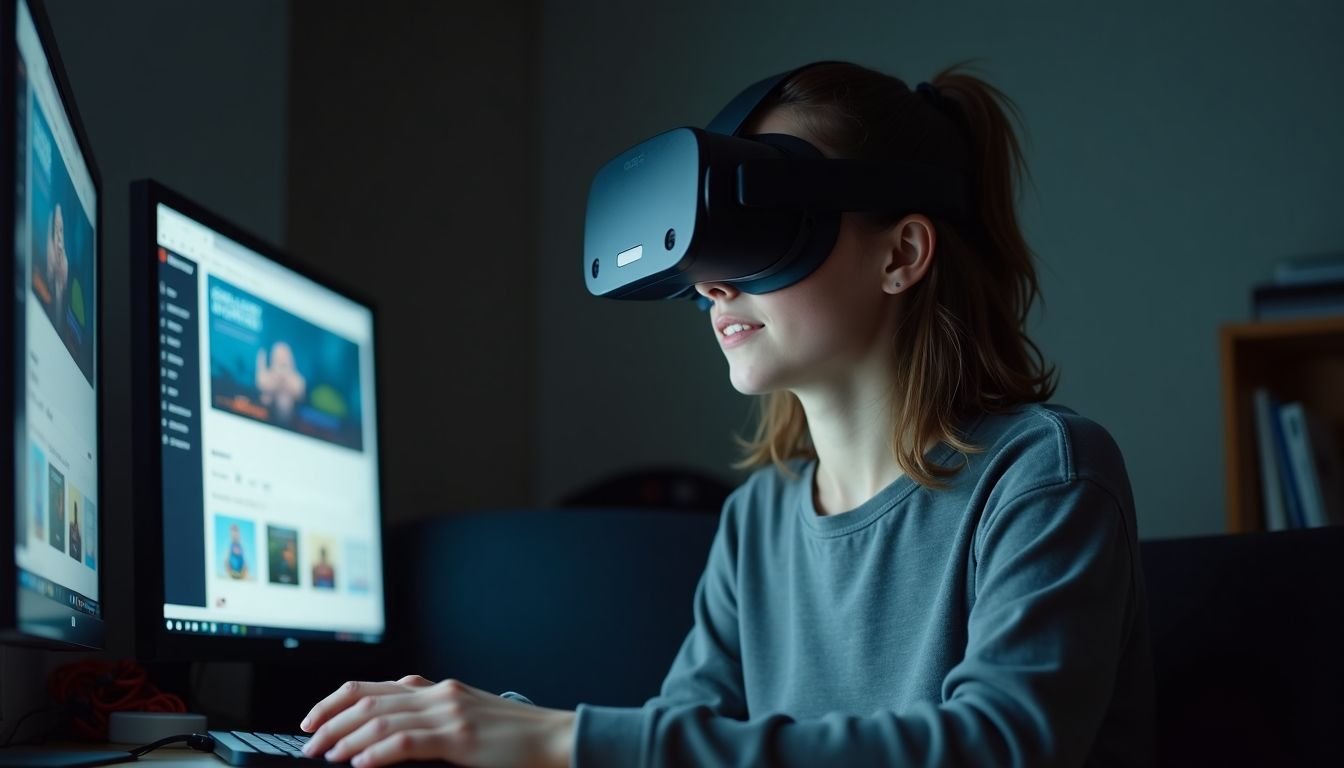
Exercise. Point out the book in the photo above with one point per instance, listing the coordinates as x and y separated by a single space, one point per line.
1287 477
1306 467
1284 302
1310 268
1328 459
1271 484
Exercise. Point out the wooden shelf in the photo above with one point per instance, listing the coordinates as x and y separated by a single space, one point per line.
1296 360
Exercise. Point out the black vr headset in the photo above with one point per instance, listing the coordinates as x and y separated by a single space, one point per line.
761 212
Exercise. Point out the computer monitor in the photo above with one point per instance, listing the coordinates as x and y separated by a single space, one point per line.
50 591
258 500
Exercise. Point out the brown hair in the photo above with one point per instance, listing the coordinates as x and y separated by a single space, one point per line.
961 345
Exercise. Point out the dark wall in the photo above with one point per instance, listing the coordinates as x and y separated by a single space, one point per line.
1176 150
412 164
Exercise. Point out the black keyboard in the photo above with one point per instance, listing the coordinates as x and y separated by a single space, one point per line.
248 748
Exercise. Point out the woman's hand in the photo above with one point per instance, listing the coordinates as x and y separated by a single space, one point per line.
375 724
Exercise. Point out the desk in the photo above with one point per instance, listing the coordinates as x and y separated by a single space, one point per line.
161 758
181 758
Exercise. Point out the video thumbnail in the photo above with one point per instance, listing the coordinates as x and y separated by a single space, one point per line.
75 539
272 367
90 533
236 548
357 567
63 246
37 463
282 548
55 507
322 551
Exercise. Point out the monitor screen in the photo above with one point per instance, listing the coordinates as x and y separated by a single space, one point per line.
58 511
266 428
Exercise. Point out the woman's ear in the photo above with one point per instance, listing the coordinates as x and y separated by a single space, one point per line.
909 252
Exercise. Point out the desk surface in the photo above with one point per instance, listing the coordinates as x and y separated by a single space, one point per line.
167 757
171 758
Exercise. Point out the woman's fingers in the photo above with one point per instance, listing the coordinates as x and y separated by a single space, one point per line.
342 698
355 715
419 744
380 727
416 681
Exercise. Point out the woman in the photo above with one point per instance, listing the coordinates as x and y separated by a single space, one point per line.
931 565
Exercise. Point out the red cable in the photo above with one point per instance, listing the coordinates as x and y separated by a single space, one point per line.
92 690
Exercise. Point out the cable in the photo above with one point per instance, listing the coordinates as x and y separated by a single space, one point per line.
198 741
13 731
92 690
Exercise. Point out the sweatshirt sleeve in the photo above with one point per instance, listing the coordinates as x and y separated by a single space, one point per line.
1054 597
708 668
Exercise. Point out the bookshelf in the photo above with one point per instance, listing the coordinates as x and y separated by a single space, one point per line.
1297 360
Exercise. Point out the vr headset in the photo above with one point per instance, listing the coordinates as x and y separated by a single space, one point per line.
761 212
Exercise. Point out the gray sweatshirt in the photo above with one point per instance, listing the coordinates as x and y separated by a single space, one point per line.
1000 621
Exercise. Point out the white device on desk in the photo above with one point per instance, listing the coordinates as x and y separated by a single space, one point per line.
147 727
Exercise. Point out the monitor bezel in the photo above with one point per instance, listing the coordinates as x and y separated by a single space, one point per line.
93 634
153 641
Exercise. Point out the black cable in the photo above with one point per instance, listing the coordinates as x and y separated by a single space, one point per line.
198 741
9 740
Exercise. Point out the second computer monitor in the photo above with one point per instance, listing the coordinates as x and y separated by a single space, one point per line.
264 511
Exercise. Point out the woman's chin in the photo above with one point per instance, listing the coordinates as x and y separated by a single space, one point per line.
749 384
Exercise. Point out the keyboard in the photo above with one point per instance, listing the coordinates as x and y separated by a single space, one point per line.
248 748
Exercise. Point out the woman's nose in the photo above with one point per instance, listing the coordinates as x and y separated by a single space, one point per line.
717 291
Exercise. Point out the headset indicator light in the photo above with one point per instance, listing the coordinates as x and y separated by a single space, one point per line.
630 256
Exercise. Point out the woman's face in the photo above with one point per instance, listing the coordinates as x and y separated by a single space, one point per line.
816 330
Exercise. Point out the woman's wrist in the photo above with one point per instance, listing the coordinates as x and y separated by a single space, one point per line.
560 742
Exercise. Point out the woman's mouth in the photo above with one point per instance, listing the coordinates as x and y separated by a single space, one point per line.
735 334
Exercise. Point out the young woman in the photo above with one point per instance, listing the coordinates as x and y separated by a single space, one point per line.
931 565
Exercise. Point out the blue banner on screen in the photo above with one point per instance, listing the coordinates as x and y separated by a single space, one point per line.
273 367
62 248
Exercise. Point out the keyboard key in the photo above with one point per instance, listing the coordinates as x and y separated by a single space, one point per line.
282 743
258 744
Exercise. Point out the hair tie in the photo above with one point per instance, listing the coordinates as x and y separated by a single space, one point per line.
933 95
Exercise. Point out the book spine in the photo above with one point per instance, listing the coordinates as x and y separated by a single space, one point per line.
1281 302
1304 471
1271 486
1293 292
1300 311
1324 268
1329 463
1287 478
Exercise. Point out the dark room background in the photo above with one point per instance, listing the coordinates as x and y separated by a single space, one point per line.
438 156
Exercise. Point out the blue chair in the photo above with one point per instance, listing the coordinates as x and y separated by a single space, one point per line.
563 605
